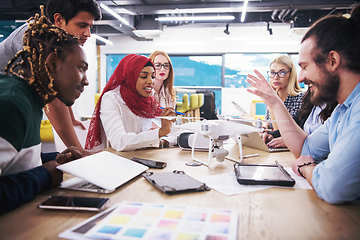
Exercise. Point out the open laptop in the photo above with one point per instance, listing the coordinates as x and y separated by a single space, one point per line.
255 141
101 172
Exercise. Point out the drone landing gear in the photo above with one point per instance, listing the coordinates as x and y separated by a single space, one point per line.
238 139
215 150
193 164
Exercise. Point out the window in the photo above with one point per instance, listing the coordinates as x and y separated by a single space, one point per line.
198 73
238 66
204 71
295 58
112 60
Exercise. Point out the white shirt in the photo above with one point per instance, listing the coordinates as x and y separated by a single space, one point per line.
121 128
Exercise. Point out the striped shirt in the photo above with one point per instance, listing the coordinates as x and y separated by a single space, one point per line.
164 97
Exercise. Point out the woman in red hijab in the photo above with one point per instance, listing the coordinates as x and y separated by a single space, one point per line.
123 114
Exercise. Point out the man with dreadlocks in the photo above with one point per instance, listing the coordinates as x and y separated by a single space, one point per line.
53 66
76 17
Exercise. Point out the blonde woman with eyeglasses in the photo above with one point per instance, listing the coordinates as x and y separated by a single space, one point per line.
283 79
164 79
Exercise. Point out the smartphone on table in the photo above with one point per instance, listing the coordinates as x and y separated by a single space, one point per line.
74 203
149 163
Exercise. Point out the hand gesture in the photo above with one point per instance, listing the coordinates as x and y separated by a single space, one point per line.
263 89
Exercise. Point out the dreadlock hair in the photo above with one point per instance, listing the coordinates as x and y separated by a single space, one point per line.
41 39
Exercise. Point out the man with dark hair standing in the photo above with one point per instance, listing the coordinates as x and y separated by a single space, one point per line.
76 17
329 158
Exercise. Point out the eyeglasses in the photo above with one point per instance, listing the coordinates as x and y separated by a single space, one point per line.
281 73
159 65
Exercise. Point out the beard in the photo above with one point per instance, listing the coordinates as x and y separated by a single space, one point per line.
327 90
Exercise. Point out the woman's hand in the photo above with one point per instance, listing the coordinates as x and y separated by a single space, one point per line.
276 143
263 89
266 137
78 124
166 124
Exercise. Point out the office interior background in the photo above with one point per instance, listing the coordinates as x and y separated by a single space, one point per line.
209 53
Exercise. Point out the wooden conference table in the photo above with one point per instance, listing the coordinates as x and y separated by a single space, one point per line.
273 213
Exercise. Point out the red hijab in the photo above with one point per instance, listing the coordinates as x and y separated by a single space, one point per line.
125 75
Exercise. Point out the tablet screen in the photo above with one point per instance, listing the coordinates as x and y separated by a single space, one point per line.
261 172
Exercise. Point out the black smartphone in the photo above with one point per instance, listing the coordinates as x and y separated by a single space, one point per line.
150 163
74 203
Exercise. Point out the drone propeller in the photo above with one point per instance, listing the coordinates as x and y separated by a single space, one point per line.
177 117
240 109
198 127
254 120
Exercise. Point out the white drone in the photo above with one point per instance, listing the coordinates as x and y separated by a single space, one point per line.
217 131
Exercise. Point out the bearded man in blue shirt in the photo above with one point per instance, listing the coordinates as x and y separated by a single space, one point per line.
329 58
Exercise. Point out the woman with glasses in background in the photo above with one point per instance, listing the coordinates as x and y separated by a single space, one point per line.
283 79
164 79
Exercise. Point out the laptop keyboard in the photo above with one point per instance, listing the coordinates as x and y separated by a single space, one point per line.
281 149
90 186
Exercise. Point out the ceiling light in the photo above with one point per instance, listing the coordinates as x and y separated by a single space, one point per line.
102 39
149 34
179 43
243 14
242 38
272 43
298 31
149 28
195 18
115 14
200 10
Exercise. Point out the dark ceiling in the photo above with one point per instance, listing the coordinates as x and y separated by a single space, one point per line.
300 12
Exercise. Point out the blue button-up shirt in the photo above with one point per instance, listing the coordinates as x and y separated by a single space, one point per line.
337 179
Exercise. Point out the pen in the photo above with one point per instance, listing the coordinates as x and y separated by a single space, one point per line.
176 112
